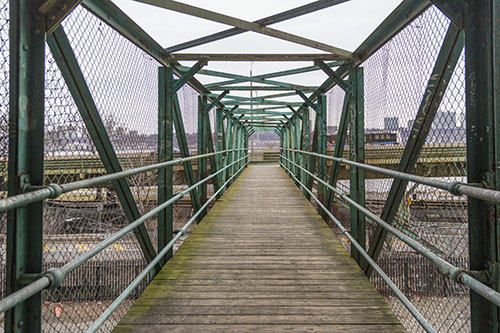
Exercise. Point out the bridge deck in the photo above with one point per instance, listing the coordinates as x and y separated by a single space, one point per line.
261 260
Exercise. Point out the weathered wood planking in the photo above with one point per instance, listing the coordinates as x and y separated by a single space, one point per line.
261 260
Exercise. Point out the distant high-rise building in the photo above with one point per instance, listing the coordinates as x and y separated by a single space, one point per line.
391 123
445 120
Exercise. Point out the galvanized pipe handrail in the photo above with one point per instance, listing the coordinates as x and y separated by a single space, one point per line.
455 188
53 277
399 294
53 191
119 300
445 268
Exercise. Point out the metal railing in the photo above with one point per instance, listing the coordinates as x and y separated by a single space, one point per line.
53 277
470 279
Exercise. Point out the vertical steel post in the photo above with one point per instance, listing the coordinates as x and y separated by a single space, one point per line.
312 158
202 148
482 54
322 145
165 153
219 145
229 146
26 153
307 145
357 153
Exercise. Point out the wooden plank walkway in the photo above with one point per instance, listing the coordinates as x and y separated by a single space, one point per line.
261 260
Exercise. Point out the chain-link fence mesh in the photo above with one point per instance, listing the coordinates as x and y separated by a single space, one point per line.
123 82
396 77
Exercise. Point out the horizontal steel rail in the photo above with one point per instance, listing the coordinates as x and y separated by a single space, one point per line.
54 277
53 191
445 268
455 188
399 294
123 296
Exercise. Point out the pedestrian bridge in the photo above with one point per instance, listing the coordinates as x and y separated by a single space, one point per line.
380 215
263 259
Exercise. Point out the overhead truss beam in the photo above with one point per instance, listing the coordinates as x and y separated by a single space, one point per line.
250 26
254 56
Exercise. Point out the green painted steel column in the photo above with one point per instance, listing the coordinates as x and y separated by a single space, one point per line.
202 148
357 154
219 125
212 159
26 154
482 54
322 142
229 146
165 153
182 140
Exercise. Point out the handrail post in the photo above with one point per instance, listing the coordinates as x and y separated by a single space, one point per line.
482 71
357 154
26 155
165 153
305 145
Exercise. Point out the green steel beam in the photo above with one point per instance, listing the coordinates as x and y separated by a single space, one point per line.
262 88
308 101
455 10
230 112
298 115
254 56
276 74
182 140
335 77
26 155
255 99
216 101
165 175
250 26
286 15
202 149
240 77
66 61
189 74
219 142
267 102
357 154
322 146
482 73
443 69
55 11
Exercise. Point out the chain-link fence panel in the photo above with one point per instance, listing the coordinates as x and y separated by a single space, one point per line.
4 136
395 80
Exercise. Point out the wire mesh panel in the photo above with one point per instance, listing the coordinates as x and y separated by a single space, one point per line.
4 136
395 80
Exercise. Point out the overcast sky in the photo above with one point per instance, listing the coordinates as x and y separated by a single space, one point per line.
345 26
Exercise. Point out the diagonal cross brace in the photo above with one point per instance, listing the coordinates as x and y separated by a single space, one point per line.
216 101
283 16
308 101
295 112
335 77
225 19
189 74
67 63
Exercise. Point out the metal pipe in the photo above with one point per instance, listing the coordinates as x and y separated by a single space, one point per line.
55 276
399 294
455 188
123 296
53 191
445 268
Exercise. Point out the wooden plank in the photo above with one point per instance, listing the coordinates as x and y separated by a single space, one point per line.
262 260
